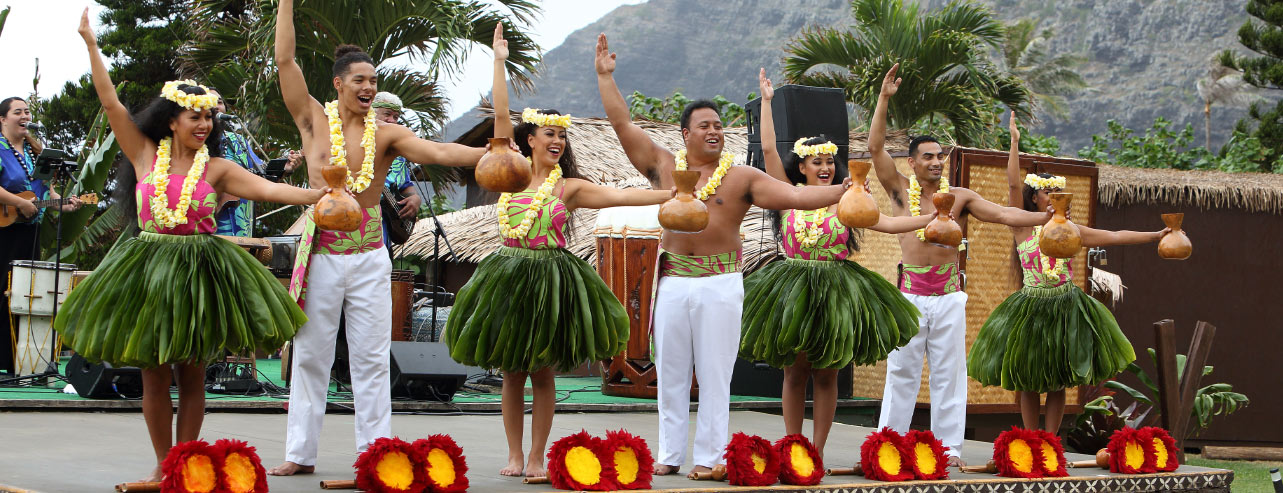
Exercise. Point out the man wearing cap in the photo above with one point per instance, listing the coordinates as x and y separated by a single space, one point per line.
387 109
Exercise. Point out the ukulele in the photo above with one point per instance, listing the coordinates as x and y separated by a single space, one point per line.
398 229
9 214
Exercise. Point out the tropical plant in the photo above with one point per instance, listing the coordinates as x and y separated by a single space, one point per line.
88 233
1220 85
943 56
232 49
4 15
1261 34
1209 401
1162 146
1099 420
670 108
1048 77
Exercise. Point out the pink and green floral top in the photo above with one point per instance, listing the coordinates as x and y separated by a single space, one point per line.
1031 267
831 244
548 230
675 265
200 215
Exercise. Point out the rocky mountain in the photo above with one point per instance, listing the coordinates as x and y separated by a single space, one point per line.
1144 56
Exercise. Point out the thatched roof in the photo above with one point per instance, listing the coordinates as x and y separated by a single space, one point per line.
1254 192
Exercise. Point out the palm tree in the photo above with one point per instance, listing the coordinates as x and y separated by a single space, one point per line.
1220 85
943 57
1049 78
232 50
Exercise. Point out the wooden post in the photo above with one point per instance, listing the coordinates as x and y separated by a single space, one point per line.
1199 349
1168 387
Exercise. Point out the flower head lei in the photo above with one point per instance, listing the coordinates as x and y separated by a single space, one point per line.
724 163
803 150
531 115
1039 183
338 150
915 203
195 102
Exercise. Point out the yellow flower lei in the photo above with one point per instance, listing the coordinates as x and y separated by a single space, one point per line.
1039 183
531 115
338 152
160 210
532 211
807 233
724 163
915 203
1051 267
813 150
194 102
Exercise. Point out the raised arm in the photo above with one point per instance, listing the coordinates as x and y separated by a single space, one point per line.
132 141
405 143
769 193
240 182
990 212
589 195
892 181
1098 237
770 153
502 120
641 151
293 86
1015 182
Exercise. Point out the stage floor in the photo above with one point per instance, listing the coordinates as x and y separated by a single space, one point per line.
86 452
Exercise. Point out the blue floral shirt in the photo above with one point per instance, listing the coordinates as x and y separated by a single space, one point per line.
235 220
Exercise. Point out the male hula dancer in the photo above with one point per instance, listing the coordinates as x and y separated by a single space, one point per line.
700 291
930 280
344 271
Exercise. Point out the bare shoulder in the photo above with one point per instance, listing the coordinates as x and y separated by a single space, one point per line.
965 193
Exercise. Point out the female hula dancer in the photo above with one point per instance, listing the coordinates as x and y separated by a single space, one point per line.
1050 335
533 306
852 313
176 295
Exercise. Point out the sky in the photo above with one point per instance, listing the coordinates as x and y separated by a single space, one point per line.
46 30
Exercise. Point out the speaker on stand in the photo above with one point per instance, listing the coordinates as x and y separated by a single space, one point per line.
801 111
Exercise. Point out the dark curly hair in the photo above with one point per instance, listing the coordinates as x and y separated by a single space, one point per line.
567 160
153 120
345 55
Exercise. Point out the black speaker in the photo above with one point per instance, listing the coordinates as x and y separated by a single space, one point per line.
763 380
425 371
103 381
800 111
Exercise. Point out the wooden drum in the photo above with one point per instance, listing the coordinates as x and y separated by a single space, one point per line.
402 298
627 246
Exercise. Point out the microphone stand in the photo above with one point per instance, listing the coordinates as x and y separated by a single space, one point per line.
438 232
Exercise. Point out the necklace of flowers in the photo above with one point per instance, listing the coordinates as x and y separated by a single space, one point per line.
723 165
532 210
1051 267
338 152
807 233
160 210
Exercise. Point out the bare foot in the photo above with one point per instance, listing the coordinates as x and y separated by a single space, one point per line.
665 469
289 469
701 469
514 467
955 461
155 477
536 470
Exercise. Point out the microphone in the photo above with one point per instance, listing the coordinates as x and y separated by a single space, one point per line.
34 127
227 117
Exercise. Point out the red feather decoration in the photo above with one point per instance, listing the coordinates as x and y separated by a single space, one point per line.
237 460
884 442
1128 440
1059 468
799 474
623 442
750 461
1171 460
1018 454
397 453
457 478
919 438
191 467
590 467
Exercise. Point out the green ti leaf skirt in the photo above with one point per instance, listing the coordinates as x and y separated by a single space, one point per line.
524 310
159 299
835 311
1044 339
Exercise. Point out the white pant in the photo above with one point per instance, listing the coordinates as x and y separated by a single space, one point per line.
697 323
360 286
942 332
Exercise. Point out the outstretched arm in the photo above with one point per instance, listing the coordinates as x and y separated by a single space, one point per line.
240 182
769 193
1098 237
892 181
1015 182
416 150
902 224
770 153
641 151
502 120
293 85
132 141
590 195
990 212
